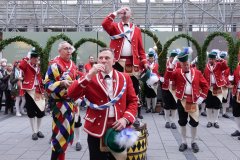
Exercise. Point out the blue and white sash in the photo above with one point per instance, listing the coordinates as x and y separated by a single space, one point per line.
121 35
106 105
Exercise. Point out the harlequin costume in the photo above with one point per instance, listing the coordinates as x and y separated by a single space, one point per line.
63 109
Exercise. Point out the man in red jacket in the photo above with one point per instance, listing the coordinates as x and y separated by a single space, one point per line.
213 74
89 65
110 98
170 105
33 85
191 89
126 40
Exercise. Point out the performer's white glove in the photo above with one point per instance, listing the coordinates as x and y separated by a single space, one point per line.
174 62
29 55
161 79
194 61
231 77
200 100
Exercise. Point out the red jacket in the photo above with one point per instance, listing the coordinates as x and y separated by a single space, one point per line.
29 73
236 80
219 67
113 28
200 86
87 67
95 92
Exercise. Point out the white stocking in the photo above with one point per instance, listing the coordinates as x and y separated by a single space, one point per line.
17 105
148 103
33 126
184 134
167 113
215 115
193 133
209 114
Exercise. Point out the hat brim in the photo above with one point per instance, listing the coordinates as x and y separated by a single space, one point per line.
173 54
183 59
109 140
212 56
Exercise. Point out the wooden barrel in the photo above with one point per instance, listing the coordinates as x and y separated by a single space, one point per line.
138 150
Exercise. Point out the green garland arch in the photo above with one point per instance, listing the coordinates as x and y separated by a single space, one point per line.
237 47
232 62
166 46
47 49
83 40
155 39
33 43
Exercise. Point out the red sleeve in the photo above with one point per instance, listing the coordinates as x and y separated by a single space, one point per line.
131 102
23 64
203 85
141 51
108 24
77 88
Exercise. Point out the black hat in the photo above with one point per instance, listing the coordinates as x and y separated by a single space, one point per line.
213 54
173 53
183 57
34 53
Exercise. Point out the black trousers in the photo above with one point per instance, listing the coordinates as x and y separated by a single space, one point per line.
32 108
94 150
168 99
183 116
235 108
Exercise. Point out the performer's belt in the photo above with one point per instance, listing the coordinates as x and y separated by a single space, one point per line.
188 97
126 57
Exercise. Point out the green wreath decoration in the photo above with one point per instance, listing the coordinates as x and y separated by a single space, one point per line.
237 47
232 62
33 43
83 40
47 49
155 39
163 59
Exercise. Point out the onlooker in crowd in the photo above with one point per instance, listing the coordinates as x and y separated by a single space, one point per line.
16 91
90 63
3 64
6 87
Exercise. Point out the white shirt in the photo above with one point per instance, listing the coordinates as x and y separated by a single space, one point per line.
109 88
188 89
212 78
126 48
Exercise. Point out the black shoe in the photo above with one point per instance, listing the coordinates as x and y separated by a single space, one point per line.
40 134
78 146
216 125
225 115
195 147
203 114
173 126
161 113
167 125
209 124
148 110
182 147
236 133
238 138
34 136
140 116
